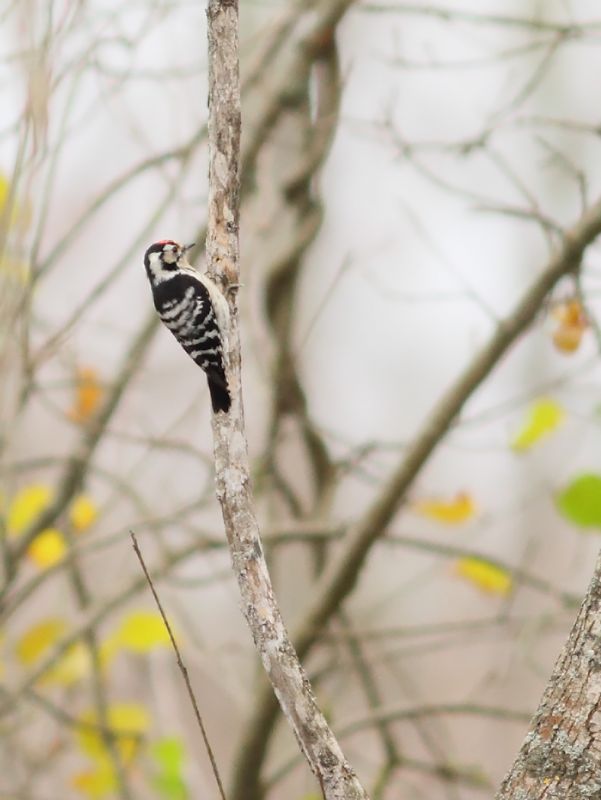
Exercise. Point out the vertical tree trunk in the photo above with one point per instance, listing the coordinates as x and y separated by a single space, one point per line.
290 684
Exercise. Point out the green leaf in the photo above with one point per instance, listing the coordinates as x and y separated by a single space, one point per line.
580 501
170 787
168 754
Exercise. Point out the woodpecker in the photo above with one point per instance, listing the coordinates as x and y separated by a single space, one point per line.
194 309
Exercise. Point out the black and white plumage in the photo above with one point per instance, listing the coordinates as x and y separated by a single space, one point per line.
193 308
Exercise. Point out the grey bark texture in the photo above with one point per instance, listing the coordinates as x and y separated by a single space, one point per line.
287 677
561 755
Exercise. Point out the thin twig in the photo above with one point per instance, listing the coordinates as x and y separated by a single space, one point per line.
369 685
393 714
90 620
90 640
182 667
476 18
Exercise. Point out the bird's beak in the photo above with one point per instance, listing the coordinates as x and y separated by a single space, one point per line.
187 247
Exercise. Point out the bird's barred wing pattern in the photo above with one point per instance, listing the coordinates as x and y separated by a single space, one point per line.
184 306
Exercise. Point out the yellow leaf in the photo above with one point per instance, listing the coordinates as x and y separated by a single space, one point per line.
39 638
95 783
142 631
573 323
129 723
484 575
83 513
26 506
458 509
544 416
47 548
4 187
71 667
88 394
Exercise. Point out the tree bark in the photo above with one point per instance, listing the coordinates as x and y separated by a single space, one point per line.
560 758
259 605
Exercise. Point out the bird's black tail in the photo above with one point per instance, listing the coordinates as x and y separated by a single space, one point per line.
220 393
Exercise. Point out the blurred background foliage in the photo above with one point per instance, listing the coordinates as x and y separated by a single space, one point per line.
407 170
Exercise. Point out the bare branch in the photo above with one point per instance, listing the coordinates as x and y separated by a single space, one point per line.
341 576
478 18
295 42
260 607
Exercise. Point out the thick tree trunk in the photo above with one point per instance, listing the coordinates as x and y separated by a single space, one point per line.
561 755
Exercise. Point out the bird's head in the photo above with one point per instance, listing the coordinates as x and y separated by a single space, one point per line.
165 257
